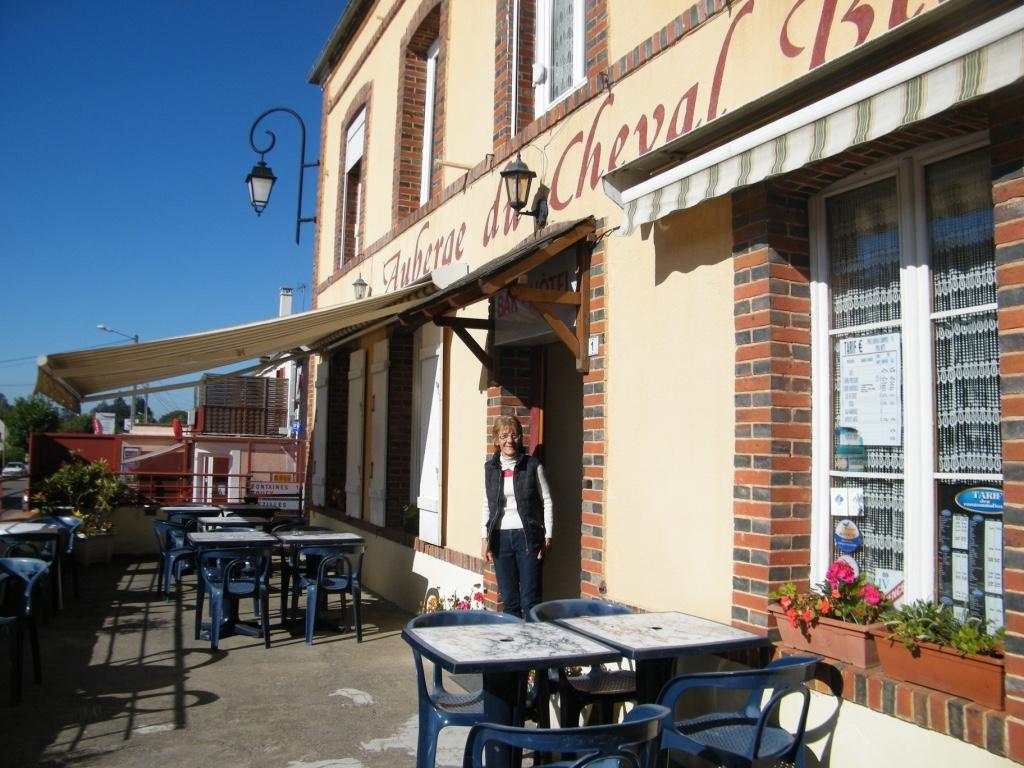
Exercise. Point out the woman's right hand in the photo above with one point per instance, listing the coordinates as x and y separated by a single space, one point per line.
485 553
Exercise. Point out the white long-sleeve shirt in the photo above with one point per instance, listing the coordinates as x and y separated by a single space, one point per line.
511 518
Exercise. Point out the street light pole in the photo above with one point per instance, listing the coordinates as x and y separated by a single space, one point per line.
134 337
261 178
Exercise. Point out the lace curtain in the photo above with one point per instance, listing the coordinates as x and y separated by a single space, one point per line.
560 77
960 227
863 241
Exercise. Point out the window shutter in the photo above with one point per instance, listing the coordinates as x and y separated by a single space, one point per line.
320 434
379 423
428 499
354 442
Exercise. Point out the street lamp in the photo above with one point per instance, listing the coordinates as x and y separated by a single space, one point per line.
359 287
134 337
518 177
261 178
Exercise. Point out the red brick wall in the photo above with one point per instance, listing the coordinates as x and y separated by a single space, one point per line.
400 429
772 489
595 450
1007 135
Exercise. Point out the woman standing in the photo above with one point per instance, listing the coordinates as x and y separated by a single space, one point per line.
517 518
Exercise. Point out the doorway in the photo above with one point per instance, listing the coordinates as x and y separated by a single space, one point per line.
562 402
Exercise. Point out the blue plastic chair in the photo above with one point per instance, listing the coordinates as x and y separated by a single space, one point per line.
228 576
748 736
438 707
70 523
176 555
21 576
601 688
331 570
633 743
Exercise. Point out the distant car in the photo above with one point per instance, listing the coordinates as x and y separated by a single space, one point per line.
14 469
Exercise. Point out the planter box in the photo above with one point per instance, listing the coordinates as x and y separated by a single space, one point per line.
94 549
969 676
839 640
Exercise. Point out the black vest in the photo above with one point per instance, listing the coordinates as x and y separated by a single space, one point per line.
528 499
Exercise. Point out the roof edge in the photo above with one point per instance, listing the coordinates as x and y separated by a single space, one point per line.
338 41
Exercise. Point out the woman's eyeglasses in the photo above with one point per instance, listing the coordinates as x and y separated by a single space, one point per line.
503 438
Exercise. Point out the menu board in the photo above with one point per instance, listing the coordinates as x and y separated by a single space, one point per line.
970 556
871 371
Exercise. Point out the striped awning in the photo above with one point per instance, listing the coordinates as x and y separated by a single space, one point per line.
70 377
973 64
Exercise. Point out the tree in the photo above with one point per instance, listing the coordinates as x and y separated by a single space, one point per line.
170 416
76 422
28 415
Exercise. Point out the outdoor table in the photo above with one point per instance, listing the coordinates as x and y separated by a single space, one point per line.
46 532
503 654
250 509
235 521
192 511
655 640
294 541
206 540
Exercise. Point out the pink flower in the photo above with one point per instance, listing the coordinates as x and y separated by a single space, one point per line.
870 594
839 571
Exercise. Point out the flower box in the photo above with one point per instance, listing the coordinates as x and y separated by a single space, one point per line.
98 548
839 640
969 676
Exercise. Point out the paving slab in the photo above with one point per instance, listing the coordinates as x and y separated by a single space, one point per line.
126 684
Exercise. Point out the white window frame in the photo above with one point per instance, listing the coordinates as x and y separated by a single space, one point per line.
355 145
919 471
543 101
429 98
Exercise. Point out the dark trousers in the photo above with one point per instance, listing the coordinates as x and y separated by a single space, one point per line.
518 571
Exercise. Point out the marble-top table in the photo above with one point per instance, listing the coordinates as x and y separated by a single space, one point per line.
503 654
213 539
234 521
654 640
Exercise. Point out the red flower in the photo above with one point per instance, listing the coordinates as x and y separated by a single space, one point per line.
479 597
870 594
785 601
807 616
824 606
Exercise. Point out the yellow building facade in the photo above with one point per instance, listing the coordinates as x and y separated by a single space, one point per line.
781 249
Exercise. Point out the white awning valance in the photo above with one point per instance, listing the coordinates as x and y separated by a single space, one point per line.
973 64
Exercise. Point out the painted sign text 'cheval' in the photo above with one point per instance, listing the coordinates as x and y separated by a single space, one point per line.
757 32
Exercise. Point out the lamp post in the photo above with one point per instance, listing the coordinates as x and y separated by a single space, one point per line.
261 178
134 337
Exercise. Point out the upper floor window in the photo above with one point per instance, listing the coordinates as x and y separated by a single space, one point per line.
352 188
559 59
429 102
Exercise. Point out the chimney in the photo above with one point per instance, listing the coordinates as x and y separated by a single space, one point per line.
284 306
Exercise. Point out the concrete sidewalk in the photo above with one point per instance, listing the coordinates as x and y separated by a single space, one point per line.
125 684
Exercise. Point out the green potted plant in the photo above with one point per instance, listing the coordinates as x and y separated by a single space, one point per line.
926 644
834 618
89 491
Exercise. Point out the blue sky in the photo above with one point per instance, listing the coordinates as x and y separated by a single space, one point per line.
124 145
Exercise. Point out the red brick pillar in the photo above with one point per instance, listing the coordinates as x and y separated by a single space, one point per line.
595 402
772 490
1007 133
